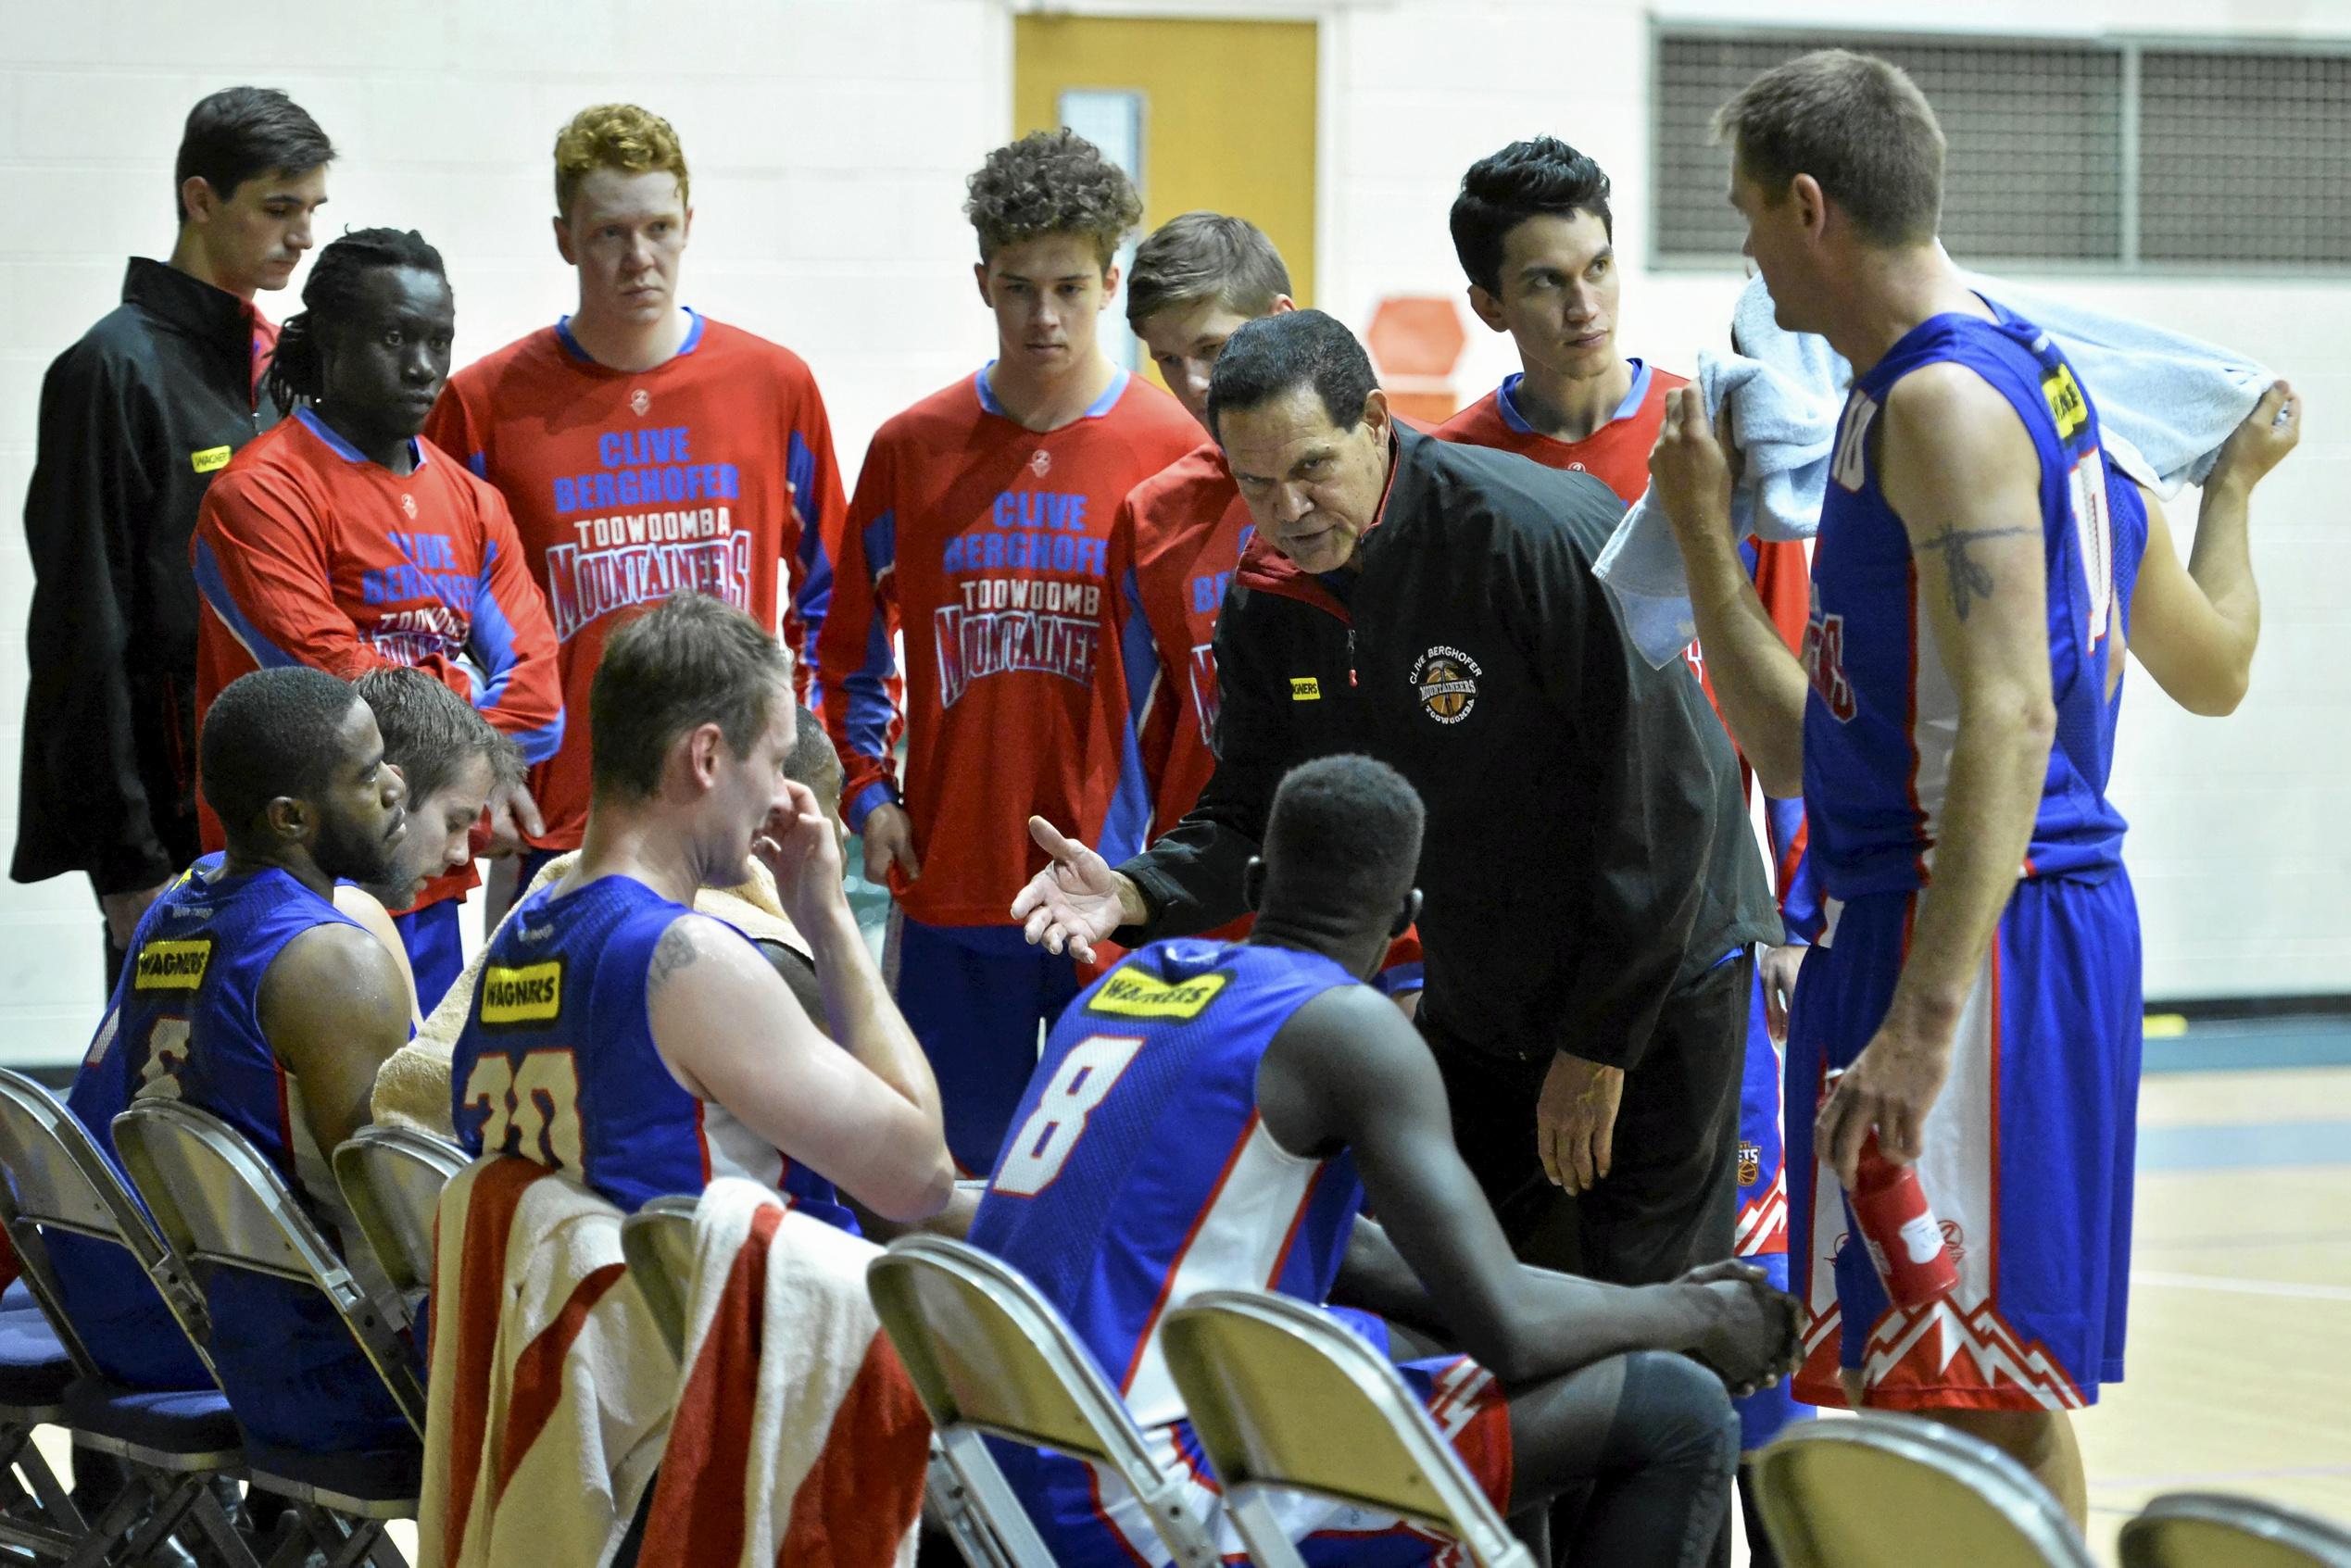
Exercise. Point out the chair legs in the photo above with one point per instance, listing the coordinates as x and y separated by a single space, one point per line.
36 1511
151 1507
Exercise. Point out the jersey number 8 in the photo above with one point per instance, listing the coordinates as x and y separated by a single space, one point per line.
1045 1141
532 1110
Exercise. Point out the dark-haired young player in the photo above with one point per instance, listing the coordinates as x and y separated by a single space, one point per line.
343 540
1535 235
1215 1115
980 530
136 419
641 447
248 994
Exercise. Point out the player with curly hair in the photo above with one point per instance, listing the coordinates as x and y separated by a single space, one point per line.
980 529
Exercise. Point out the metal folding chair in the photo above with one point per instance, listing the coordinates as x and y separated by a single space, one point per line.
220 1205
658 1241
1284 1398
988 1355
174 1444
2213 1530
391 1179
1894 1488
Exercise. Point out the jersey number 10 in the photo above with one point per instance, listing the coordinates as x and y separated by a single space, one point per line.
1046 1140
532 1110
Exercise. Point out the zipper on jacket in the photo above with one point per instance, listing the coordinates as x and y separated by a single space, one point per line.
1351 653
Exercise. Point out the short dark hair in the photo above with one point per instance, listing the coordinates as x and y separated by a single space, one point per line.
241 132
1343 835
1855 123
331 298
430 731
270 734
1274 355
689 660
1201 256
1524 180
812 757
1052 183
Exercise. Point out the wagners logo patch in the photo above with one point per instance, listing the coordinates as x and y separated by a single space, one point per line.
1446 679
2066 405
1129 993
533 994
172 966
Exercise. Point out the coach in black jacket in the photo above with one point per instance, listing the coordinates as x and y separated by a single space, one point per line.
1593 886
136 419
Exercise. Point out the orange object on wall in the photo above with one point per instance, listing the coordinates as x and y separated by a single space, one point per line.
1416 341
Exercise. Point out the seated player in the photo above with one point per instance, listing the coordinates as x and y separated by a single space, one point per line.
584 1050
452 760
250 995
1214 1114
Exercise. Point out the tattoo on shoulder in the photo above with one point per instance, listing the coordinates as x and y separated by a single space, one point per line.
1970 579
671 953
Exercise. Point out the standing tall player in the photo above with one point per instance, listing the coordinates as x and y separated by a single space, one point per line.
343 540
642 447
136 418
1950 729
981 531
1535 235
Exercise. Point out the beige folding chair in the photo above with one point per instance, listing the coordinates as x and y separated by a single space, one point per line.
1895 1488
2212 1530
658 1241
391 1179
1286 1398
57 1180
220 1205
989 1355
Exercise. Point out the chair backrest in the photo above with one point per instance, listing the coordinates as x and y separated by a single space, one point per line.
1893 1488
391 1179
219 1204
2210 1530
658 1241
987 1353
1283 1398
59 1178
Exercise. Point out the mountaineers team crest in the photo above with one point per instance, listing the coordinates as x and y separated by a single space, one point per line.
1447 680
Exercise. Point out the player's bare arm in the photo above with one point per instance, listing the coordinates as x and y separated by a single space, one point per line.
2196 627
1961 470
334 1006
730 1031
362 906
1758 683
1077 900
1347 1071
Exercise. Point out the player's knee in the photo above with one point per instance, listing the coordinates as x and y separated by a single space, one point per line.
2031 1437
1673 1412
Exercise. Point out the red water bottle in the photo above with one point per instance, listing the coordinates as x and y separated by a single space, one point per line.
1890 1211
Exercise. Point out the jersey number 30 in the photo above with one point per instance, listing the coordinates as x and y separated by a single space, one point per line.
1045 1141
532 1110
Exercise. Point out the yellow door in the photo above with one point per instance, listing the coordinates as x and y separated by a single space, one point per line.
1217 114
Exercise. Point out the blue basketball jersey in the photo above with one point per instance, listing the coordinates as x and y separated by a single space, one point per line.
186 1025
556 1061
1881 717
1137 1173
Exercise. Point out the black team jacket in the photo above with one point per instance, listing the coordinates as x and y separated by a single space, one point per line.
1587 848
136 419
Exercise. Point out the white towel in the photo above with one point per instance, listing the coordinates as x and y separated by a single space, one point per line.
2166 405
551 1387
797 1438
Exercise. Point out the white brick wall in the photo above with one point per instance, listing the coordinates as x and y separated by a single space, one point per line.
829 140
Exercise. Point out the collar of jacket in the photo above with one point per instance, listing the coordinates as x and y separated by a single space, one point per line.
189 304
1265 568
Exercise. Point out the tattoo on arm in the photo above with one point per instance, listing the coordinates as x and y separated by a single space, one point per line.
671 953
1970 580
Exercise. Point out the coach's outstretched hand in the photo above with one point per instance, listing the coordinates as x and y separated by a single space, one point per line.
1077 900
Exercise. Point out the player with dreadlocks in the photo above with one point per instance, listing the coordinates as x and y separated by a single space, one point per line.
343 540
